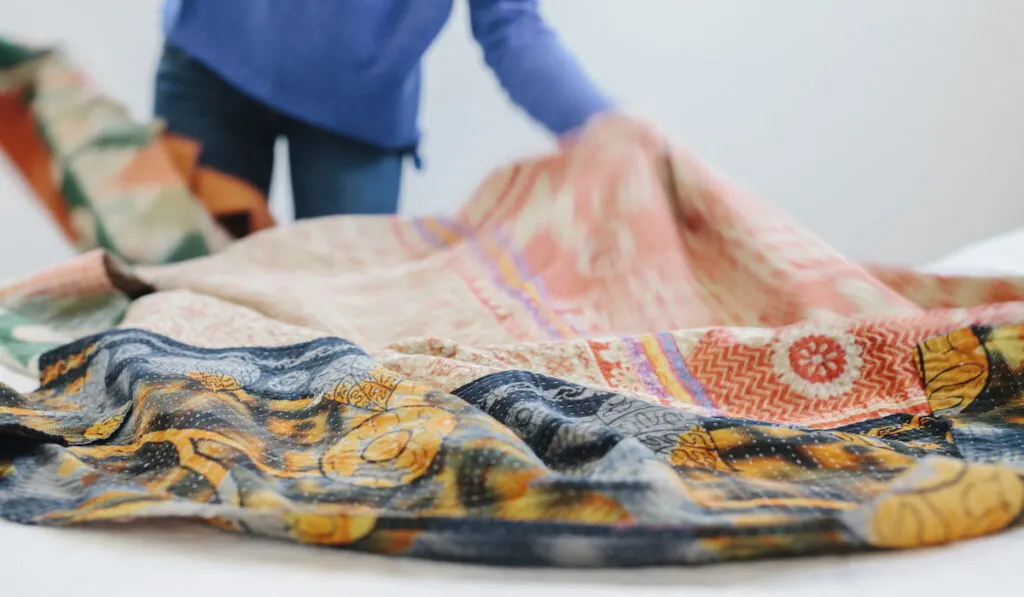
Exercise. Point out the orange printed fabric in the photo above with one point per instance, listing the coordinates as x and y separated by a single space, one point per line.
106 181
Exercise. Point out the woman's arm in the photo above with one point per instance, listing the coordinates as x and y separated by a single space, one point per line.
533 66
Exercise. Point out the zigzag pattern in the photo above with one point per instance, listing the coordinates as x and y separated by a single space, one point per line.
742 382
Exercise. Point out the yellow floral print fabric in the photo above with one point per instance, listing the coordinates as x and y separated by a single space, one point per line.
316 443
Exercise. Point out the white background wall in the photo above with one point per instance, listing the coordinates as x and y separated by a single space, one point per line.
891 127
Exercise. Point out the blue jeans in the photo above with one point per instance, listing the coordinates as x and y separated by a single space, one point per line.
330 174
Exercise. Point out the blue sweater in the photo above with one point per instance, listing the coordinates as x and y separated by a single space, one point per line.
353 66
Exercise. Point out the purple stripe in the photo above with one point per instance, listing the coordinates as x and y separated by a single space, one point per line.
526 274
481 255
427 235
671 351
644 369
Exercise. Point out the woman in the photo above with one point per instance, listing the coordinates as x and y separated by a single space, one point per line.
340 80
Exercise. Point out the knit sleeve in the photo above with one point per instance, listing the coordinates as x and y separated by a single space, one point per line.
533 66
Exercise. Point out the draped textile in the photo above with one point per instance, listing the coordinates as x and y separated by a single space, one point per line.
608 357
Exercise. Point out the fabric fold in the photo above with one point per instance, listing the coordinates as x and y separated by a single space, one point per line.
609 356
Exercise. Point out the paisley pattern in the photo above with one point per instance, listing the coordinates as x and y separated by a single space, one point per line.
316 443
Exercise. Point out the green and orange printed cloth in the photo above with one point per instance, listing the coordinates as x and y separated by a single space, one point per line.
608 357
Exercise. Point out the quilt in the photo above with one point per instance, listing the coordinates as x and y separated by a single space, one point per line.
609 356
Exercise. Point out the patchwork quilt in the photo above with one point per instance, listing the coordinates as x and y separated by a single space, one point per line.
609 356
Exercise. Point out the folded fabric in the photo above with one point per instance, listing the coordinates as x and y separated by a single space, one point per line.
608 357
109 182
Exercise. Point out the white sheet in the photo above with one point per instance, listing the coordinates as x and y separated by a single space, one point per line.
1000 255
183 560
189 560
